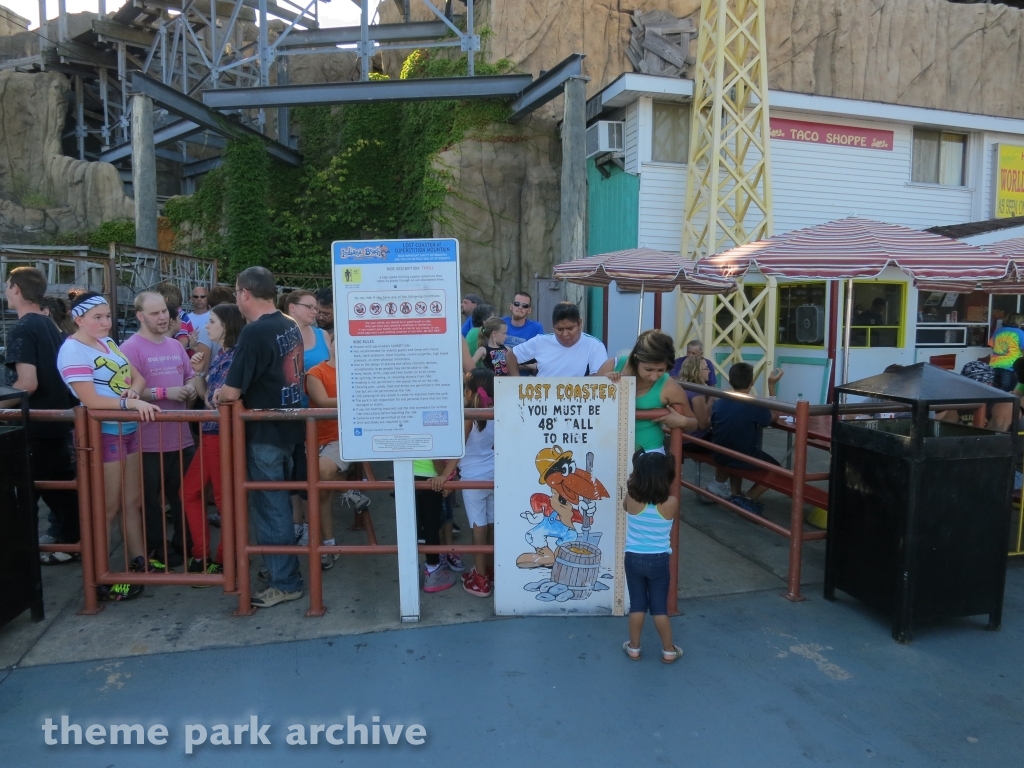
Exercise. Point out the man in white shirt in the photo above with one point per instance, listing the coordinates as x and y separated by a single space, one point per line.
566 352
200 307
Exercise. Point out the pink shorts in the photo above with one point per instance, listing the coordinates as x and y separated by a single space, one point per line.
119 447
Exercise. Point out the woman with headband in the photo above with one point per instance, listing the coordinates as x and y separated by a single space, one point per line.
102 378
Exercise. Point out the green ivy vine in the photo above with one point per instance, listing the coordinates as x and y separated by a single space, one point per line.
368 170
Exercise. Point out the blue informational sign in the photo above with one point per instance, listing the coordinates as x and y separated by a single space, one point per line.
399 350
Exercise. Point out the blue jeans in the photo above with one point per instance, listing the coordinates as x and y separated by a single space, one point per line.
1004 379
271 511
647 580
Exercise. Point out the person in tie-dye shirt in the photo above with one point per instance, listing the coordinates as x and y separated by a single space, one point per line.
1007 346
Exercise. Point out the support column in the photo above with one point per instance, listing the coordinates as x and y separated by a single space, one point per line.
574 181
44 27
80 131
365 49
144 171
283 113
62 21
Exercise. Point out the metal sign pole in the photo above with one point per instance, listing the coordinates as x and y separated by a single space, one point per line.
408 554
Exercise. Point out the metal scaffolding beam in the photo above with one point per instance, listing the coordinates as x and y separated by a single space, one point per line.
381 33
728 183
547 87
191 109
169 134
459 88
198 168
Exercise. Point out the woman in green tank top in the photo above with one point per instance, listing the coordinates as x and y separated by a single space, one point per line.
652 357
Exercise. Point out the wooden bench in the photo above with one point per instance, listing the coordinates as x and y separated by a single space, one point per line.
813 495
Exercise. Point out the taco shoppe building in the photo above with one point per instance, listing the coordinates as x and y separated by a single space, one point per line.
830 158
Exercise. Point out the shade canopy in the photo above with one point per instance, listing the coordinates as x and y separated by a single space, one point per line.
858 248
925 383
1012 250
655 271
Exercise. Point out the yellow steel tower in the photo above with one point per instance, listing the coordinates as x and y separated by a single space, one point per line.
728 187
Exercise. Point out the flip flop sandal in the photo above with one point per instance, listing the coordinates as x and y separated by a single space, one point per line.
669 657
633 653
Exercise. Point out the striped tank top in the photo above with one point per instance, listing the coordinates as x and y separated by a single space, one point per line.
647 533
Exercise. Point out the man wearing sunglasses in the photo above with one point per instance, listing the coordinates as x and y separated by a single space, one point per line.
200 307
521 328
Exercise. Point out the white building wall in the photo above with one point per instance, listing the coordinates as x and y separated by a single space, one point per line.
662 194
815 183
630 139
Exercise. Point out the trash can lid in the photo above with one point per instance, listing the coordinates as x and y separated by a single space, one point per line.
925 383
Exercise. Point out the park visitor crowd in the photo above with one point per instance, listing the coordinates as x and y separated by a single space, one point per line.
276 351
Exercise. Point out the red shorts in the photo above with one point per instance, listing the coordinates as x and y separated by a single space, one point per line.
119 447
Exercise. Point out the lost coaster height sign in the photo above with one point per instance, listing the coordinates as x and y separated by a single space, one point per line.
398 349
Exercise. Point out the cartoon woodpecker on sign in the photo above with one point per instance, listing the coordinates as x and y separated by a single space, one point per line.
573 499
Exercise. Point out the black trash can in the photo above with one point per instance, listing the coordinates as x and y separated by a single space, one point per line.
919 509
20 573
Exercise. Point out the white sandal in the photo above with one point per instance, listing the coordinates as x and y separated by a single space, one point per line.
669 657
633 653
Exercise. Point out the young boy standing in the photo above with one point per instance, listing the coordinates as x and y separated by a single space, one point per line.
737 426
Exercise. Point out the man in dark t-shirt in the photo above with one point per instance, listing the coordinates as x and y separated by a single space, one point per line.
266 373
31 359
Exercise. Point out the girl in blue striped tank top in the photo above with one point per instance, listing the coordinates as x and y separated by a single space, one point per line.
651 511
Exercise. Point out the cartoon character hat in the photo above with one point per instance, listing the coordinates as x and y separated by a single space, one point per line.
551 460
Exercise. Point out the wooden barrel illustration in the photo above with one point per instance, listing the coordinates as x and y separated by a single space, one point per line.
577 565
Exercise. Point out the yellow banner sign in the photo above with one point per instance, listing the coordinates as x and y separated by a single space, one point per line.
1010 182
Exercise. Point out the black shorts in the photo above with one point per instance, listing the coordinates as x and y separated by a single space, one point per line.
730 462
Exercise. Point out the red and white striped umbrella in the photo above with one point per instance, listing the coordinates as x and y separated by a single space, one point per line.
1012 250
857 248
648 269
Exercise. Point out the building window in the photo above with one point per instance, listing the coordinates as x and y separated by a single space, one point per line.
953 319
877 315
802 314
939 157
670 134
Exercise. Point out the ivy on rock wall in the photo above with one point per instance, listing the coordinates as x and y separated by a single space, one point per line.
368 171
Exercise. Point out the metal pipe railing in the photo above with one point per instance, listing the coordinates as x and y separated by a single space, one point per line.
234 512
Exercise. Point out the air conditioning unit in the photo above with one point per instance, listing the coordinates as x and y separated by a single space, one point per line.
605 136
810 324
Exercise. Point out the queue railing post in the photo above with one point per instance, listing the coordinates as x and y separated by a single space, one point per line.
796 517
227 497
238 477
83 452
676 448
316 576
98 501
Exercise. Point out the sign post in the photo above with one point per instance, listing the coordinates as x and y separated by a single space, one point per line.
399 359
562 451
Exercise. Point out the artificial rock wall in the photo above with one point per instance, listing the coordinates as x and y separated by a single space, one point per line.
42 191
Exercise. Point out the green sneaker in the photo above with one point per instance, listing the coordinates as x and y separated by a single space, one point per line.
139 565
195 565
118 592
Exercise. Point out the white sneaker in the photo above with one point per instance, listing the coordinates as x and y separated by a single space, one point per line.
723 489
357 500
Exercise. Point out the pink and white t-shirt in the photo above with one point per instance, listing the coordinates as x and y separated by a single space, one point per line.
107 369
161 364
